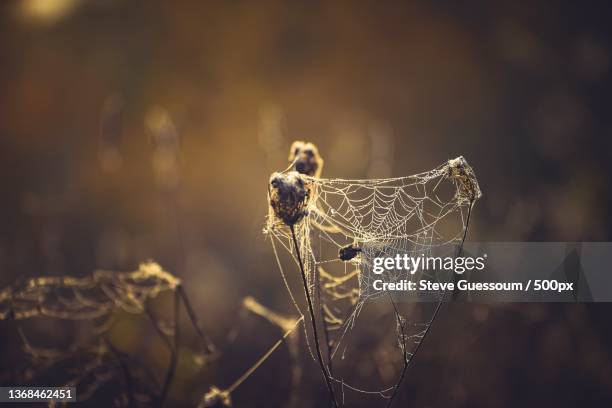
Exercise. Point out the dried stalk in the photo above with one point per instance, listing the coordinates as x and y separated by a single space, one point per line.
313 321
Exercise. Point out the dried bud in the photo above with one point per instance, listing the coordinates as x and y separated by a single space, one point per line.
348 252
306 159
288 196
459 170
216 398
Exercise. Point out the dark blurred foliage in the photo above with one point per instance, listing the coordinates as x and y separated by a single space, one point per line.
132 130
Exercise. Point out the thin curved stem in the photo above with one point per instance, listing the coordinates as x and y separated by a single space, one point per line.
262 359
127 378
174 351
313 321
210 347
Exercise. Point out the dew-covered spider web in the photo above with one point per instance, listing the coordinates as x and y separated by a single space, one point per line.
90 297
348 223
96 366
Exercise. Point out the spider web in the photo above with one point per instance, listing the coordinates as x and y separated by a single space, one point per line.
365 219
95 296
96 299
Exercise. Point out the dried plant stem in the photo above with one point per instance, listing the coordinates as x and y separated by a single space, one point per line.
194 320
427 329
262 359
313 321
173 345
127 378
174 351
159 331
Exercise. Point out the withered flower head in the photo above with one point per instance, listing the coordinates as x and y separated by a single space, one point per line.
288 196
459 170
216 398
306 158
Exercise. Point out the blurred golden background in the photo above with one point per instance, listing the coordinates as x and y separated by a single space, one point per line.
135 130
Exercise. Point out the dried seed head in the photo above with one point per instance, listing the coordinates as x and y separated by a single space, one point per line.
216 398
306 159
348 252
288 196
459 170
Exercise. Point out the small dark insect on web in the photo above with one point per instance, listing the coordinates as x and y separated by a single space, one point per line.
348 252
